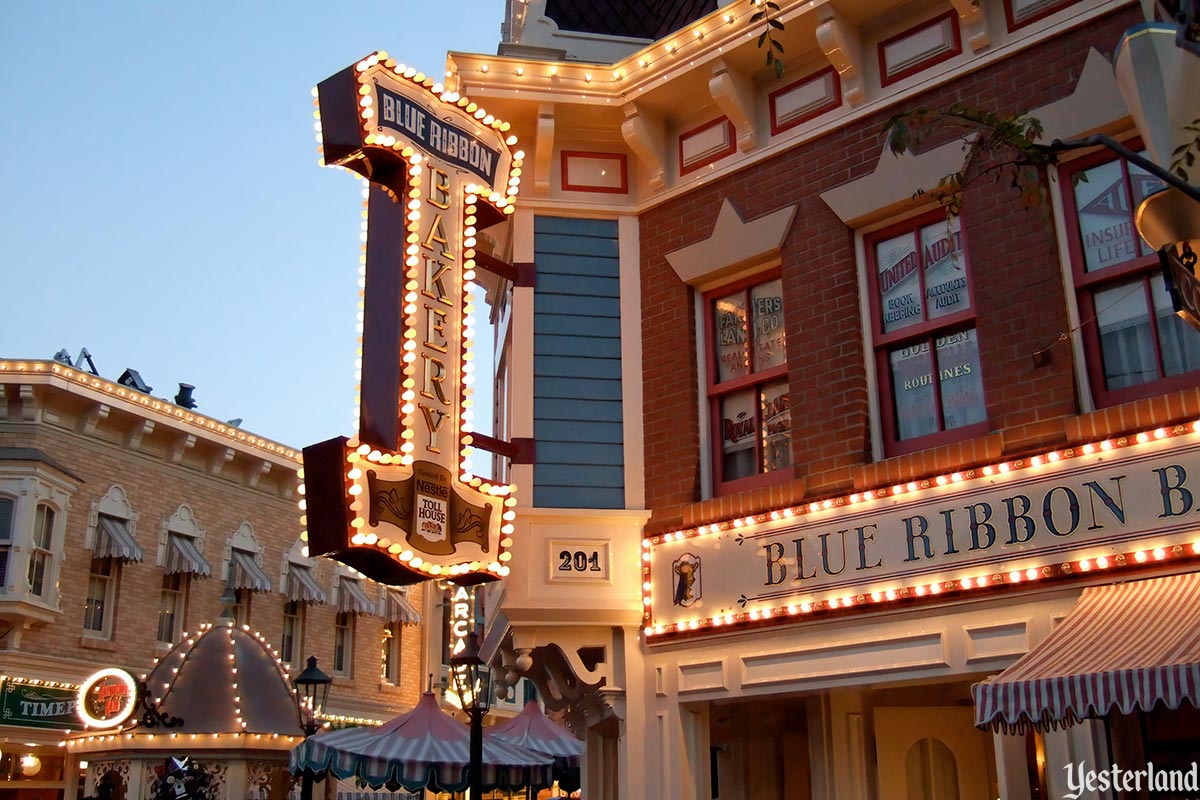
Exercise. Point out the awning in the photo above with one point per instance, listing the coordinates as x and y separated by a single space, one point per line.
1122 647
302 586
245 573
398 611
352 599
113 540
184 556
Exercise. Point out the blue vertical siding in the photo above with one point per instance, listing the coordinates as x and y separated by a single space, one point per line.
577 365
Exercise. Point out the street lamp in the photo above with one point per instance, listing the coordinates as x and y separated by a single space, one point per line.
472 683
312 687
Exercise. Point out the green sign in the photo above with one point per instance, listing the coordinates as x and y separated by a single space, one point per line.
31 706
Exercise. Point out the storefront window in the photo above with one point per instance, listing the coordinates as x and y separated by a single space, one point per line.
1135 344
926 346
748 388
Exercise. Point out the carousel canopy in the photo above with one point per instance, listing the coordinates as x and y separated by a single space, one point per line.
224 680
533 730
424 748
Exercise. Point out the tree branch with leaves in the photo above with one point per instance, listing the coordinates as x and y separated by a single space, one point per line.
768 12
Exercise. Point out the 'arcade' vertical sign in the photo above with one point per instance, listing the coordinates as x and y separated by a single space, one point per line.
398 502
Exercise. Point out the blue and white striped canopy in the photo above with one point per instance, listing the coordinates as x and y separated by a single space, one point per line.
425 748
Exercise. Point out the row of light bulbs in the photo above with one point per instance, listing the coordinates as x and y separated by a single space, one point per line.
504 201
149 403
918 590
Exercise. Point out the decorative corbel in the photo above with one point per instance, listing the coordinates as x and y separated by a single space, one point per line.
181 445
92 417
646 138
254 474
842 45
140 430
734 95
972 18
220 458
543 153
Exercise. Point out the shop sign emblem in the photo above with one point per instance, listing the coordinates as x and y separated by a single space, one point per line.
687 580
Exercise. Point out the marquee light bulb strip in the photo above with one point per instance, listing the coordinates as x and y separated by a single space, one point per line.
148 403
183 650
473 194
924 591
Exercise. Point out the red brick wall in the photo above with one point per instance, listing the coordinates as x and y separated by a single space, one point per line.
1018 293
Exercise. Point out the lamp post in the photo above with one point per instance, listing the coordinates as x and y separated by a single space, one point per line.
472 684
312 687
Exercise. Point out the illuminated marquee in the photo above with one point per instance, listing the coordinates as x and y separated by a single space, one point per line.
1116 505
398 501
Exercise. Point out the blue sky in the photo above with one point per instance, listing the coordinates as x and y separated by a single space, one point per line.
161 202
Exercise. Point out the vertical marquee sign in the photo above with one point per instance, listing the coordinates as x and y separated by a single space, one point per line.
398 502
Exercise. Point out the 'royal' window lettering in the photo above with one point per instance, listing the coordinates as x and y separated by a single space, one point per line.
927 351
1135 345
748 386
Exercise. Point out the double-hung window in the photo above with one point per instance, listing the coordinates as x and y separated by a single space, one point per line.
6 531
748 384
1135 345
40 554
101 598
171 604
389 654
343 644
293 633
923 333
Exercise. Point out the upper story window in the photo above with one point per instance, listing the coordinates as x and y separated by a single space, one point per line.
6 537
171 606
343 644
40 554
923 334
1134 344
293 633
100 604
748 386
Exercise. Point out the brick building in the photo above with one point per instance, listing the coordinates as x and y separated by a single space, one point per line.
126 520
812 457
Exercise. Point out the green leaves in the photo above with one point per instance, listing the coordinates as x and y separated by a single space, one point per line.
774 47
993 144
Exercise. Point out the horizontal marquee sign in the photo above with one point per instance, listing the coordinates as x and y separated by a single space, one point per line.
1107 504
398 501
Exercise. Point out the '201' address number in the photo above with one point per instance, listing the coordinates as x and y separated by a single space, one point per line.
578 559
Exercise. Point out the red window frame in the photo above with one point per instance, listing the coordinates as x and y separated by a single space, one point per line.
717 390
1088 283
927 331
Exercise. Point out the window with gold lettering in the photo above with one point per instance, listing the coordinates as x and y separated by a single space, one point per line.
926 347
748 389
1135 345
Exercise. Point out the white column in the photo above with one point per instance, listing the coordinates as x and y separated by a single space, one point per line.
1012 767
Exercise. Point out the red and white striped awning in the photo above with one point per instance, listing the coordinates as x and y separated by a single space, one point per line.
1122 647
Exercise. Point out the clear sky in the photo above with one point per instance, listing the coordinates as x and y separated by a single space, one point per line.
161 202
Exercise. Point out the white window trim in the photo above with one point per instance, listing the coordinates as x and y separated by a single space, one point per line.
115 503
110 604
30 486
181 523
242 539
347 670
